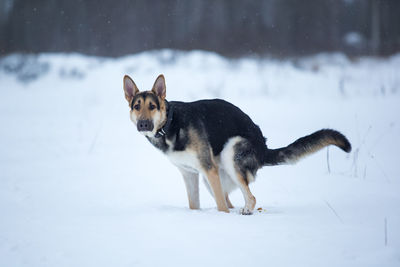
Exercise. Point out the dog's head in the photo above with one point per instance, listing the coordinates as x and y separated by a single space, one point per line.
148 109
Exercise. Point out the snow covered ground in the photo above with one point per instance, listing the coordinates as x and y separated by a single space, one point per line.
80 187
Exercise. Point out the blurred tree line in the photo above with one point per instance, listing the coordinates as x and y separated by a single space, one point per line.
229 27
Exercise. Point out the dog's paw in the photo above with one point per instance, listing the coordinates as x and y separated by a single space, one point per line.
246 211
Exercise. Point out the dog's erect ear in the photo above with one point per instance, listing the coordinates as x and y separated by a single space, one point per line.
159 87
130 88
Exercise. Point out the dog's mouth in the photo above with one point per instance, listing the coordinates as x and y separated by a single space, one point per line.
147 133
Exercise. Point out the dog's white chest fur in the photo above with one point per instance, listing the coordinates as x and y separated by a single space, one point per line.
186 159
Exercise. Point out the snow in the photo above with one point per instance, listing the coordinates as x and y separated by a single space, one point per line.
80 187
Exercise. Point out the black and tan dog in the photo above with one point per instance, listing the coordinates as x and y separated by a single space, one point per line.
216 139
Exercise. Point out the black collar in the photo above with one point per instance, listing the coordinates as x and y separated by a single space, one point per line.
164 130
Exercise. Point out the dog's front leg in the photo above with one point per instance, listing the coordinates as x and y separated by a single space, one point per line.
216 187
192 188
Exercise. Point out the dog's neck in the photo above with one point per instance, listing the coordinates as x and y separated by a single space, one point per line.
165 128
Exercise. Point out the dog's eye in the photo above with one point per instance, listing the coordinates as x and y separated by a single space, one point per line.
151 106
137 106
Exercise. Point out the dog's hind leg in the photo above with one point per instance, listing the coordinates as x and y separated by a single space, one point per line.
239 162
192 187
227 186
216 188
209 169
228 201
250 200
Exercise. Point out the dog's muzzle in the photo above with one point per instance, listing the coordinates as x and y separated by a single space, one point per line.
145 126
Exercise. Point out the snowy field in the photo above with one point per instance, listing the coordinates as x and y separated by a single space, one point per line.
80 187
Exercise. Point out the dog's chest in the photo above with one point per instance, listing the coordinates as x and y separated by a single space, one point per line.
183 157
186 159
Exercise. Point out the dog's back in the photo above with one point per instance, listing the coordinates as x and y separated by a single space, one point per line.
218 120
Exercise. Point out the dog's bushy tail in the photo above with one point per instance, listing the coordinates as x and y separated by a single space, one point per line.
306 145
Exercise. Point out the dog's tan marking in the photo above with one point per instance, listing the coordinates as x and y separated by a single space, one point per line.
203 150
144 108
208 167
216 187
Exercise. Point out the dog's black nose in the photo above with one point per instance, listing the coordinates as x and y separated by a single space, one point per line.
144 125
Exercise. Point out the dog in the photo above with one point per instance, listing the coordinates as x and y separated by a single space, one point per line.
216 139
